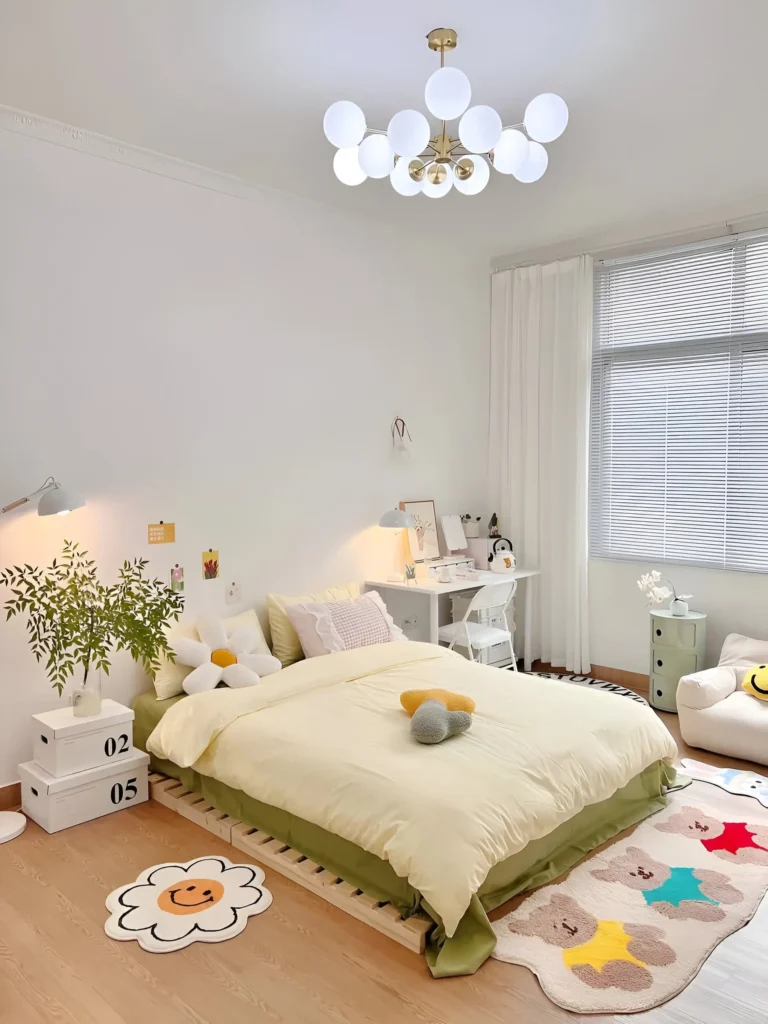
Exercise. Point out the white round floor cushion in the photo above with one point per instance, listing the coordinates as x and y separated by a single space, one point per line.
170 906
216 657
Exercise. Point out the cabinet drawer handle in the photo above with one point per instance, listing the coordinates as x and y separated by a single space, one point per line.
34 790
659 693
658 632
659 662
44 739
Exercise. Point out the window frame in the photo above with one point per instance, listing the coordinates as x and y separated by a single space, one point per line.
736 344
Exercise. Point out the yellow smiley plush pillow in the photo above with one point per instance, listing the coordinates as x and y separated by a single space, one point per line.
756 682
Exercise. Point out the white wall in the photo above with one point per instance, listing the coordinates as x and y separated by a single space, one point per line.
735 602
231 365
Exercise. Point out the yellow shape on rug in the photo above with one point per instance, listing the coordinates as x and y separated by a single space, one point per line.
609 943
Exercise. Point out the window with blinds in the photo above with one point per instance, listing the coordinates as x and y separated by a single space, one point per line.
679 421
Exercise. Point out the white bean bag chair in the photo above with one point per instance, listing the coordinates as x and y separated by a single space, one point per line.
716 714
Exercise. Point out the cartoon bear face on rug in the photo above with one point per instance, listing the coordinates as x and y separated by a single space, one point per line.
734 841
561 922
635 869
679 893
602 954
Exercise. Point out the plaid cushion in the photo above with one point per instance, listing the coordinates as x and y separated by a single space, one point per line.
324 627
359 623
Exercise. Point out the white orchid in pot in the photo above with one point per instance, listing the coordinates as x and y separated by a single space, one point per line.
650 583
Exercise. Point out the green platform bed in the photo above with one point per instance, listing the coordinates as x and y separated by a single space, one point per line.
538 863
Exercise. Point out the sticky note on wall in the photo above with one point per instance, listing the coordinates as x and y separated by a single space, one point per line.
161 533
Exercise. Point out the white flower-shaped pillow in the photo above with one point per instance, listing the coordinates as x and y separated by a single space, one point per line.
216 656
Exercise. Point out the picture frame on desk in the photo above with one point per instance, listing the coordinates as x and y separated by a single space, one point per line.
422 537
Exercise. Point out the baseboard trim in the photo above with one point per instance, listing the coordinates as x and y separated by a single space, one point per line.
621 677
10 796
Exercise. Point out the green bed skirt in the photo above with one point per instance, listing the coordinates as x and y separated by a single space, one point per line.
539 862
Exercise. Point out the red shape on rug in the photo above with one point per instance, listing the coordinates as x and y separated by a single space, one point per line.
735 836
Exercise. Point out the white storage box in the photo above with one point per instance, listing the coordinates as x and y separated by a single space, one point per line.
64 744
57 803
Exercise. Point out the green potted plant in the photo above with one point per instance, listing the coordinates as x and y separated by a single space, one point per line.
74 621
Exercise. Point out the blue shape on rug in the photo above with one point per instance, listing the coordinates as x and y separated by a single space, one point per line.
681 885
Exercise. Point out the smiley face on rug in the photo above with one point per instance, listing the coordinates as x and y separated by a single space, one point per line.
602 954
680 893
734 841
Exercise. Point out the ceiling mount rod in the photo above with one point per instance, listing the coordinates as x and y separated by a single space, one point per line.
442 39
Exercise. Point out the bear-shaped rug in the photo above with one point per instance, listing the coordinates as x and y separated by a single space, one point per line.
629 927
734 780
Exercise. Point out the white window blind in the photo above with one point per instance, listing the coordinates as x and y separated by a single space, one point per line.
679 422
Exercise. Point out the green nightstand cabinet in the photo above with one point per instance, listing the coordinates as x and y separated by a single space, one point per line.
677 649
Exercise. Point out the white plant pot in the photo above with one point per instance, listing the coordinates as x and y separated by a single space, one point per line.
678 607
471 530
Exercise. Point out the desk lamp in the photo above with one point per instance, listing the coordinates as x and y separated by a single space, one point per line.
396 519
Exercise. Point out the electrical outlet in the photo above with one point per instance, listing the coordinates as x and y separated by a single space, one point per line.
233 593
410 624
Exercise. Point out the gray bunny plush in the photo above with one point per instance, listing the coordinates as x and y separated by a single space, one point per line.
433 723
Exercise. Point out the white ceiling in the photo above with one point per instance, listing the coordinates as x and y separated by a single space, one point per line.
667 97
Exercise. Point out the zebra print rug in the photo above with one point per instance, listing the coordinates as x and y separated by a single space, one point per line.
597 684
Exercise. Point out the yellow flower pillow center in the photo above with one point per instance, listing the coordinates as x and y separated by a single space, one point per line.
223 658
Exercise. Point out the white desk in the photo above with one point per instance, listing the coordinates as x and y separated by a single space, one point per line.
432 589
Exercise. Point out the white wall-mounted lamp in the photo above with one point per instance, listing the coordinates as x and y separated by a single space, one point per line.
396 519
401 436
55 500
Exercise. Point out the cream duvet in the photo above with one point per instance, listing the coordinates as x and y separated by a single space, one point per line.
327 740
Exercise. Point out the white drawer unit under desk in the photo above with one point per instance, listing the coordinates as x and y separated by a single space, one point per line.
421 600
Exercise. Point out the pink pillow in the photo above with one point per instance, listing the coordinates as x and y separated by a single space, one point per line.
324 628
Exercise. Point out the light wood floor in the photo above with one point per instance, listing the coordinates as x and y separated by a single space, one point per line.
303 962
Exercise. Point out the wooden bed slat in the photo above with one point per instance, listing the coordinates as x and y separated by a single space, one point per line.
275 854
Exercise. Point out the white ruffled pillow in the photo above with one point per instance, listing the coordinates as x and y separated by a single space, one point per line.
327 627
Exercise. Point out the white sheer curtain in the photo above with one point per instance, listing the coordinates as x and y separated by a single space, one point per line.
541 350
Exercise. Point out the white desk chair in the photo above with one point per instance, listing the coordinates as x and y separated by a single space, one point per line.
476 636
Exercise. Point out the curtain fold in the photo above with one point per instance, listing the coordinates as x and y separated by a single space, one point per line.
541 351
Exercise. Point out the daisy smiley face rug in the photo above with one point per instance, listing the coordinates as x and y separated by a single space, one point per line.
170 906
630 927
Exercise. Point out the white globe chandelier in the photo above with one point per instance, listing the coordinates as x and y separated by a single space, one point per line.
416 161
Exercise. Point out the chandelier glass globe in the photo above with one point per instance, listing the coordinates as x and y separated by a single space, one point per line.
511 151
419 156
408 133
546 117
376 158
477 180
447 94
401 179
535 164
346 166
438 181
344 124
480 129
